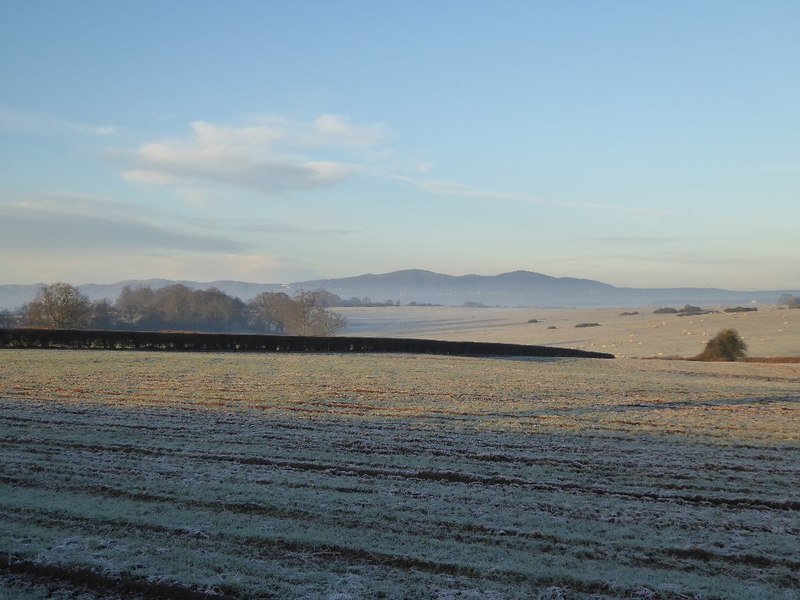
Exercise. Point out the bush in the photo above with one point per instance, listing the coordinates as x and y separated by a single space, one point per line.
727 345
588 325
665 311
688 309
740 309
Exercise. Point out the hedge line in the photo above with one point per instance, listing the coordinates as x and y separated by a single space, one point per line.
226 342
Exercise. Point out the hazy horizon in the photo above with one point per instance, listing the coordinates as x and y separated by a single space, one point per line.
115 281
641 145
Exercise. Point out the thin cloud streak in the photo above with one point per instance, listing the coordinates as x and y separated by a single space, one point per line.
783 227
653 212
268 226
25 226
337 130
28 122
449 188
636 240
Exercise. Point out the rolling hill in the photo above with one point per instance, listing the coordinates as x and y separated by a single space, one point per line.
516 288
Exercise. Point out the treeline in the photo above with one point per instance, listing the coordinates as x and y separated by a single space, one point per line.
332 300
179 308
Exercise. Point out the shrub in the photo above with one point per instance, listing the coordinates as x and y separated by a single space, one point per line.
688 309
588 325
665 311
739 309
727 345
533 320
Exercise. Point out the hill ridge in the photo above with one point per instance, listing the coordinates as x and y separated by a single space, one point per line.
513 288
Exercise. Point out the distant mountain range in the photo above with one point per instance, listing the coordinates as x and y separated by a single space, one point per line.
518 288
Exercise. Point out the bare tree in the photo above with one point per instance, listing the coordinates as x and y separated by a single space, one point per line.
215 310
174 304
311 318
58 306
305 314
102 315
326 322
135 306
269 311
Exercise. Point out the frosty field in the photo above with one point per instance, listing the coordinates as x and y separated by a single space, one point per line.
633 333
150 475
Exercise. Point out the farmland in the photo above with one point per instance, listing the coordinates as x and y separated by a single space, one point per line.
396 476
770 331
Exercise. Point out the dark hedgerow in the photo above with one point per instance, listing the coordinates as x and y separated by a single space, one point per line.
223 342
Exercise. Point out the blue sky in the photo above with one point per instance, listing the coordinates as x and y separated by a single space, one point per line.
639 143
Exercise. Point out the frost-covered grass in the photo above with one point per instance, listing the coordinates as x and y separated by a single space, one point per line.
324 476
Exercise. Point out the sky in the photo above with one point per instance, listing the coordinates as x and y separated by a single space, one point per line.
643 144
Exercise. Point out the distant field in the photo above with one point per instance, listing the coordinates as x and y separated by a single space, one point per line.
770 331
151 475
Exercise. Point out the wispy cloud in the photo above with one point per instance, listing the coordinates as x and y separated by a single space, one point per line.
244 267
787 226
638 240
28 122
652 212
33 266
149 177
450 188
270 155
267 226
335 129
67 224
